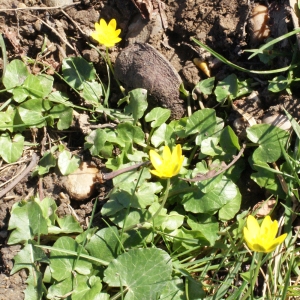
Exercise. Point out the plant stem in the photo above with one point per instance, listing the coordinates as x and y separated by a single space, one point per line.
113 72
258 257
164 200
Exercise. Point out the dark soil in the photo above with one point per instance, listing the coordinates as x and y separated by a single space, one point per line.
222 25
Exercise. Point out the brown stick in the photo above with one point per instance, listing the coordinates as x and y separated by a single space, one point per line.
33 163
214 173
107 176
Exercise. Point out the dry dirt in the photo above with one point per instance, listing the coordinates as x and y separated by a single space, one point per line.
221 24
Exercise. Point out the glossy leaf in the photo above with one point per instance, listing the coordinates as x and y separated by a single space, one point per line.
268 138
104 244
227 88
76 70
92 92
63 264
67 163
137 104
26 221
202 122
158 116
15 74
11 149
143 272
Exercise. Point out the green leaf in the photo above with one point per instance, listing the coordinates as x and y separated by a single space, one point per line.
135 216
158 116
188 239
244 87
31 118
63 264
65 115
174 290
31 111
205 86
137 104
294 123
90 290
145 194
227 88
179 127
35 288
210 147
70 285
130 133
195 289
38 86
207 225
278 84
26 221
266 179
46 163
92 92
104 244
11 150
143 272
6 118
162 135
172 221
27 257
231 208
268 138
48 207
132 177
67 163
95 141
199 202
136 237
20 94
229 142
67 224
202 122
59 97
15 74
76 70
208 184
36 105
112 206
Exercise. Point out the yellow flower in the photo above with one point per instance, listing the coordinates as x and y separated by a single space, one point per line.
262 238
167 165
106 34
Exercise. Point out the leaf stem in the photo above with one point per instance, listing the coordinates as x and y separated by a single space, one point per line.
164 200
253 276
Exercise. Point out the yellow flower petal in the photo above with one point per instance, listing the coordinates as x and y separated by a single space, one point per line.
262 238
248 237
258 248
154 172
113 24
155 159
167 154
106 34
266 224
273 230
253 225
168 164
279 239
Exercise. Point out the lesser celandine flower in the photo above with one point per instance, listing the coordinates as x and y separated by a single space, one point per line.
106 34
262 238
168 164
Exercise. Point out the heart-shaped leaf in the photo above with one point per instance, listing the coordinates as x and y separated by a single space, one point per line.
143 272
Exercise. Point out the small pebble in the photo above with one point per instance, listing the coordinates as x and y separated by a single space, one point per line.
278 120
53 3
